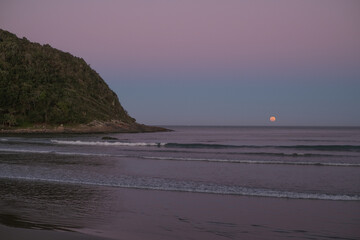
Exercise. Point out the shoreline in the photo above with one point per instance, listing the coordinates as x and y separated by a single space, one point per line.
113 126
15 233
142 216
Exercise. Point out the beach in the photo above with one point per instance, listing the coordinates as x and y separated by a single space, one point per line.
149 214
11 233
192 183
180 120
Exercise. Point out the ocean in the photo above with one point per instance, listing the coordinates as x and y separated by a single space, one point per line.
191 183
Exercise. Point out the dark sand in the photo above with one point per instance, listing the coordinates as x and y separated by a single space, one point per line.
11 233
160 215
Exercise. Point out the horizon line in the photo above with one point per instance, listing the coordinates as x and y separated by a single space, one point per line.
219 125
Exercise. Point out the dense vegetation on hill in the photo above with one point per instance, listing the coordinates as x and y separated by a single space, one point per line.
40 84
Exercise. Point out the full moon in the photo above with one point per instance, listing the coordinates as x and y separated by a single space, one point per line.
272 119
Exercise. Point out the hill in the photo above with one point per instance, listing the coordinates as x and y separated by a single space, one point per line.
43 87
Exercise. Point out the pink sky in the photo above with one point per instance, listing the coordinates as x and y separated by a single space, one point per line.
253 53
195 35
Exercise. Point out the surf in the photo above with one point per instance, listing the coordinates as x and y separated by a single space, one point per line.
193 187
105 143
159 158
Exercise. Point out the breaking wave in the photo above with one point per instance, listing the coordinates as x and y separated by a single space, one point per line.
333 164
195 187
355 148
58 152
100 143
234 161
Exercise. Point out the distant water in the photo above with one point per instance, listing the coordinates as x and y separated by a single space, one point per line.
273 162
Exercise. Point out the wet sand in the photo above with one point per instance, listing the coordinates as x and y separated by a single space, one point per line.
12 233
118 213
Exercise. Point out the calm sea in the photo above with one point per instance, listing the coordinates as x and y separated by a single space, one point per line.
192 183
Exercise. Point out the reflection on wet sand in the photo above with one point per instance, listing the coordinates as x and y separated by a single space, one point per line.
119 213
51 206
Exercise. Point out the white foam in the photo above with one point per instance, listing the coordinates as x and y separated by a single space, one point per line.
23 150
98 143
221 190
59 153
330 164
255 161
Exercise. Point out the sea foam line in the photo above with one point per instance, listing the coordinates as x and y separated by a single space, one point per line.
24 151
256 161
347 148
330 164
209 189
98 143
59 153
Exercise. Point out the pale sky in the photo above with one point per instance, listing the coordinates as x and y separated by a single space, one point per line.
211 62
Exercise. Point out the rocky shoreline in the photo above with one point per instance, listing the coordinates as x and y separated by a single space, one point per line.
113 126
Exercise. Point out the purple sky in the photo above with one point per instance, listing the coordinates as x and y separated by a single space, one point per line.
208 61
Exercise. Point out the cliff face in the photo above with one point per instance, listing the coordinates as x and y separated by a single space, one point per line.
42 85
